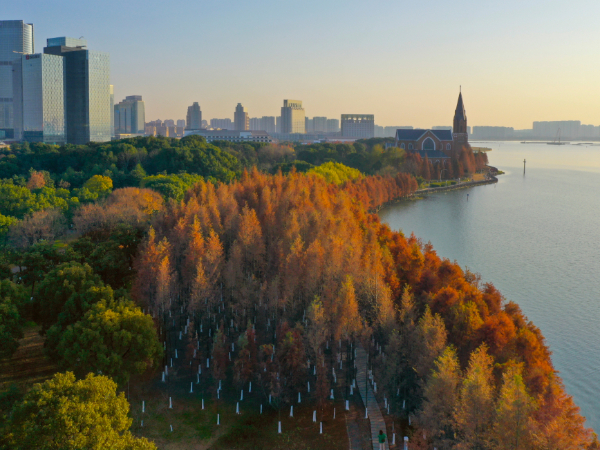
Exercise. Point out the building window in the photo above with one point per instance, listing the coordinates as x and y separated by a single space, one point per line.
428 144
410 146
448 147
402 146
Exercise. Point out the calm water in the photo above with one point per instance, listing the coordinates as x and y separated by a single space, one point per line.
537 238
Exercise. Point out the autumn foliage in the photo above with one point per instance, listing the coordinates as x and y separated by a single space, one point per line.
326 268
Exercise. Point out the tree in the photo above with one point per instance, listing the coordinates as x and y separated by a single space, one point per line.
66 414
113 339
513 427
475 408
36 181
44 225
10 320
440 399
99 186
68 291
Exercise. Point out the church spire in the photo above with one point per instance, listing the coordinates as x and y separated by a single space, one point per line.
460 116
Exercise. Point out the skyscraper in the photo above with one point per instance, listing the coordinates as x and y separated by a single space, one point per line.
130 115
39 93
180 123
194 117
319 124
223 124
87 75
112 111
292 117
15 37
240 118
358 126
333 125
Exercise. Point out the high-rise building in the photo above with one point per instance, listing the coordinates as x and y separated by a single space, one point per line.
112 111
361 126
278 124
264 123
169 123
194 117
181 123
130 115
333 125
16 37
292 117
240 118
221 124
39 91
87 80
308 125
319 124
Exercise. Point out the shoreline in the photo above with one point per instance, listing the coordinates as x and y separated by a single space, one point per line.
415 196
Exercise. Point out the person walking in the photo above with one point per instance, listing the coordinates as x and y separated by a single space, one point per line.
382 438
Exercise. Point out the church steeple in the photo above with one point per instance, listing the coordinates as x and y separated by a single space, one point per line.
460 116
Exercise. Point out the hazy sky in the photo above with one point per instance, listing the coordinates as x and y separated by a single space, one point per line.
517 60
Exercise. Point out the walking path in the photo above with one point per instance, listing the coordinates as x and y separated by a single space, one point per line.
366 392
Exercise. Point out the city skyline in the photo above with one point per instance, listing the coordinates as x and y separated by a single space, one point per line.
508 57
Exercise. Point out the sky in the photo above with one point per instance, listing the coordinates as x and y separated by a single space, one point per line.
517 60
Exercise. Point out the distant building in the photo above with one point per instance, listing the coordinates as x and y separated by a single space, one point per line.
378 131
232 135
359 126
240 118
223 124
333 126
443 127
181 123
278 124
130 115
194 117
493 133
169 123
437 145
16 38
391 131
565 129
39 91
112 111
292 117
308 125
87 81
265 123
319 124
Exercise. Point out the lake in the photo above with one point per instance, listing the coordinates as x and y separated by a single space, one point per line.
536 237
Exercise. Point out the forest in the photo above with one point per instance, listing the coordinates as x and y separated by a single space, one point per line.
232 266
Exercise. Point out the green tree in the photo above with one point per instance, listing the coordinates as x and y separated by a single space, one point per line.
336 173
66 414
513 428
99 185
440 398
474 412
68 291
10 319
5 223
115 339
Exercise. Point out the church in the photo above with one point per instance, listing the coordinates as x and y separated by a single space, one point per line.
437 145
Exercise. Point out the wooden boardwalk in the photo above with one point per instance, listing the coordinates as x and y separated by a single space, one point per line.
368 397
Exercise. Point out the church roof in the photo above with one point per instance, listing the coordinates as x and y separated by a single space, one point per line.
414 135
432 154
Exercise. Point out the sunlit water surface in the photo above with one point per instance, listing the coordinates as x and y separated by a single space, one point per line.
537 238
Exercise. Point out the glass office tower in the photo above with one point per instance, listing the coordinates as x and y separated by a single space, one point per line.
16 38
292 117
87 75
39 87
130 115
